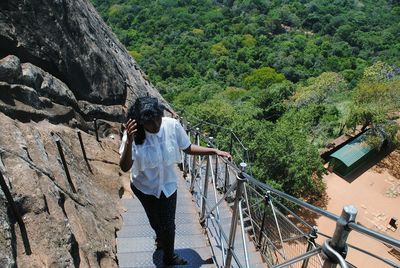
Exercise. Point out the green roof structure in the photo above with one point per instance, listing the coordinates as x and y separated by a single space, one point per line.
351 156
353 151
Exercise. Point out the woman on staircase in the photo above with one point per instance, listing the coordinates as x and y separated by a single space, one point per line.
151 147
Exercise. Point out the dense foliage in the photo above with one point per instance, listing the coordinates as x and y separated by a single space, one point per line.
286 76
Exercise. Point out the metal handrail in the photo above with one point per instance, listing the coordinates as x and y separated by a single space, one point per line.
207 214
230 190
214 182
294 200
226 240
378 236
246 254
338 257
389 262
351 225
306 255
356 227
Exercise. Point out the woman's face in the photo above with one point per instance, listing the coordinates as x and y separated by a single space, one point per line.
153 125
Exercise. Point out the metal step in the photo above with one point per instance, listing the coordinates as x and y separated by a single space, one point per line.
146 230
180 218
141 244
136 240
196 258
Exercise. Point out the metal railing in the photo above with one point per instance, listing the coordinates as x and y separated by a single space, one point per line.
269 218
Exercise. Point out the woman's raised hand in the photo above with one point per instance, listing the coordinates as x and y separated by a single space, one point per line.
131 129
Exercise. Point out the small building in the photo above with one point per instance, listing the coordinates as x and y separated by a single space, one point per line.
351 156
339 142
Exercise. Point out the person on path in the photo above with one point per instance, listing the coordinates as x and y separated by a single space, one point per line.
150 148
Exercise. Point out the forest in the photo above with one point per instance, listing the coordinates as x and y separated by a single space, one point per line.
287 77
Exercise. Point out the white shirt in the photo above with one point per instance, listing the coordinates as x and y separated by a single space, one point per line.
153 169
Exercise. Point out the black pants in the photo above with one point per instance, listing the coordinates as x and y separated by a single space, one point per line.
161 215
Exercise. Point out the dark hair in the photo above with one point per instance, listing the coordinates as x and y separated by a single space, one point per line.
142 110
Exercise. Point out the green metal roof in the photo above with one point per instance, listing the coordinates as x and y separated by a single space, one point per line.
353 151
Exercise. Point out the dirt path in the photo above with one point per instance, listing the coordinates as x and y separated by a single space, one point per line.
374 195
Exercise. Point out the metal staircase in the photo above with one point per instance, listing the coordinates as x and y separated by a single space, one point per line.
227 218
136 244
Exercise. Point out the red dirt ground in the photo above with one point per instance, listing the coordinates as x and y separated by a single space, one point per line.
376 195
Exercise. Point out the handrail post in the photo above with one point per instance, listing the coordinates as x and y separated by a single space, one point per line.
197 136
266 200
226 181
186 168
96 130
239 191
61 152
205 188
194 171
10 200
338 241
83 151
205 191
245 155
18 218
311 244
246 254
216 172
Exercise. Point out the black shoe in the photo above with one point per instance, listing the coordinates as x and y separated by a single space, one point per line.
175 260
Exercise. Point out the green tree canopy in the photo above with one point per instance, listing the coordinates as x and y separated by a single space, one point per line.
263 77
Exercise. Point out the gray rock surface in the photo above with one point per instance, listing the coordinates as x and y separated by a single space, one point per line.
110 112
57 91
7 258
29 96
64 229
32 76
69 40
10 69
30 93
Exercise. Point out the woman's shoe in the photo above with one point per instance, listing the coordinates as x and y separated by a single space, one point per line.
175 260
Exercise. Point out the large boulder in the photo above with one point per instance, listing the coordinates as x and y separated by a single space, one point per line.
32 76
10 69
30 93
69 40
57 91
91 111
29 96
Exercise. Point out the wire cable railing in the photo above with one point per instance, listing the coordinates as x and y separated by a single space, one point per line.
268 217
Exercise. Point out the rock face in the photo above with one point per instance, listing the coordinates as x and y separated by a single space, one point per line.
60 68
69 40
30 93
64 228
